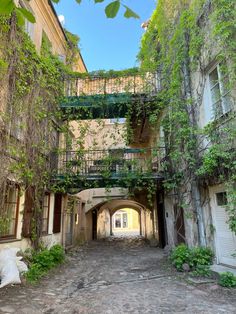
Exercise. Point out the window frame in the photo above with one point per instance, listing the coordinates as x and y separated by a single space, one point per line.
28 27
115 121
17 204
57 214
121 215
45 232
222 96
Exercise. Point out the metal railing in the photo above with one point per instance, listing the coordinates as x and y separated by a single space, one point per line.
145 83
111 162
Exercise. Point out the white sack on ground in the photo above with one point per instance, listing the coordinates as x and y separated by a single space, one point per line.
9 272
22 267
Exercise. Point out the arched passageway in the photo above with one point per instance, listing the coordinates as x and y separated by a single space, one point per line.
121 218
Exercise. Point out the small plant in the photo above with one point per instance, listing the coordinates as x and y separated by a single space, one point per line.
40 262
227 279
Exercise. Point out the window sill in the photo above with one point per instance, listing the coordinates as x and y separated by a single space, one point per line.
44 234
9 240
224 117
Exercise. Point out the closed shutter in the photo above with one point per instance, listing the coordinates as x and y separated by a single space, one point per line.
57 214
225 239
28 211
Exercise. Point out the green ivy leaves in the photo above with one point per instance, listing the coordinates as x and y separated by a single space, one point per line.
26 14
6 7
129 13
112 9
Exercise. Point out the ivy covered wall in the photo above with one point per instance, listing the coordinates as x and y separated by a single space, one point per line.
184 40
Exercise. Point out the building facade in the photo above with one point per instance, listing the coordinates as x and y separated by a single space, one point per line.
196 122
30 211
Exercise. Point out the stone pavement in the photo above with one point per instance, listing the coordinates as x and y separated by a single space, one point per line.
115 277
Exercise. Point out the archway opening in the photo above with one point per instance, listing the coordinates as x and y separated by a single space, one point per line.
126 223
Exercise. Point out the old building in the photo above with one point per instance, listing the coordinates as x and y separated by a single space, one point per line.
172 161
30 130
196 121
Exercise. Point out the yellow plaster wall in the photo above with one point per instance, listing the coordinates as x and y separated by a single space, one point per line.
47 21
100 134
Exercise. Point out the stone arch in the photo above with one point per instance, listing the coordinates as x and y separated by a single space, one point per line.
106 209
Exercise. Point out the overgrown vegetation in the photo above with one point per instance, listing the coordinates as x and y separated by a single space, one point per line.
31 89
197 259
179 43
172 46
41 261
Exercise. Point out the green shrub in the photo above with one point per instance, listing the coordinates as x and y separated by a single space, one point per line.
201 256
41 261
198 259
44 259
58 254
180 255
227 279
34 273
202 271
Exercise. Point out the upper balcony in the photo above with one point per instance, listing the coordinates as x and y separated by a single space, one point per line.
112 167
108 96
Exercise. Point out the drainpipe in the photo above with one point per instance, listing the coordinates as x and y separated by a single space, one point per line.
199 211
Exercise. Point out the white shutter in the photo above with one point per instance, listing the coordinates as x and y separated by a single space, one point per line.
225 240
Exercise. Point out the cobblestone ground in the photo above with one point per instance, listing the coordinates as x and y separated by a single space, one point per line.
117 277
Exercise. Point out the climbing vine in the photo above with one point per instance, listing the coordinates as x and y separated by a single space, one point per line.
32 86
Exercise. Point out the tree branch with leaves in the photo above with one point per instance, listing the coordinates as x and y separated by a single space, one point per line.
111 9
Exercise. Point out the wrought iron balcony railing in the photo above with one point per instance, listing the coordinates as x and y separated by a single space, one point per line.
102 97
111 163
137 83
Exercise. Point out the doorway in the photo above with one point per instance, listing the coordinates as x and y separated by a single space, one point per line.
179 224
94 224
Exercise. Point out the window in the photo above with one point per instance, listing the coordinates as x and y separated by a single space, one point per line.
120 220
45 218
9 210
220 90
125 220
46 46
221 199
62 58
17 127
29 29
117 120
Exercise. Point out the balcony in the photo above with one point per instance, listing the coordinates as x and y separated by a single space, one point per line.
97 96
101 168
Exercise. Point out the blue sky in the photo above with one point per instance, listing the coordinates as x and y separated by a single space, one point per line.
106 43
